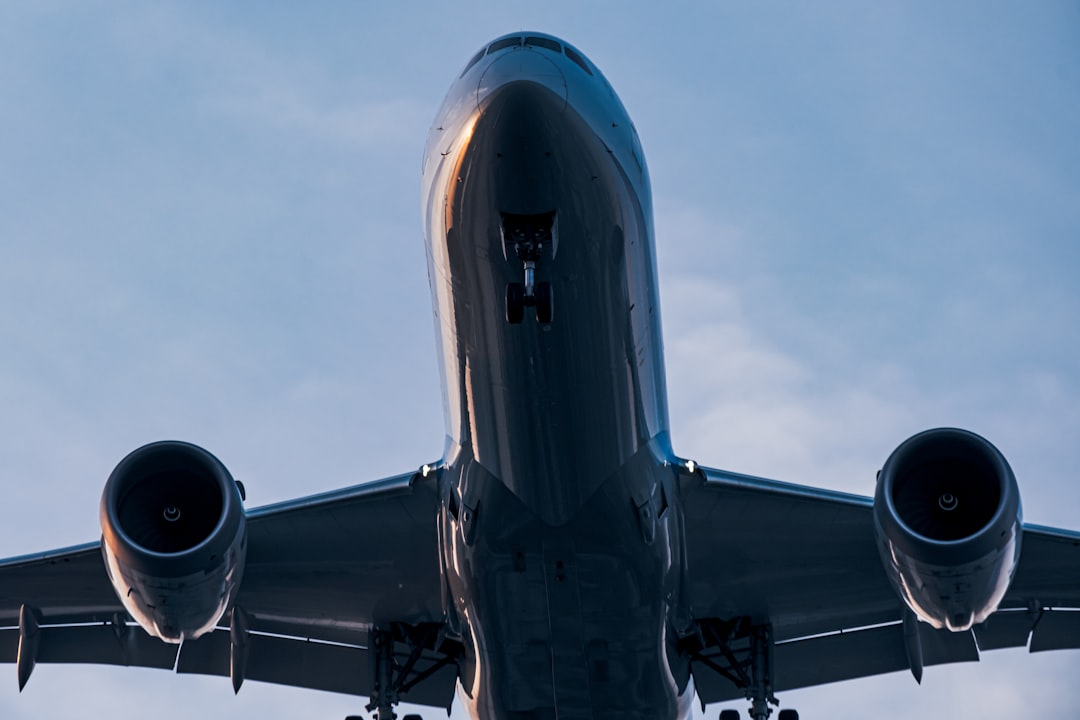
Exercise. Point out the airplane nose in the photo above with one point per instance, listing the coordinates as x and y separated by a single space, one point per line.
521 65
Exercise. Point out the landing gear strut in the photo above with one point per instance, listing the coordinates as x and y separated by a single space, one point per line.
385 692
760 692
528 237
394 673
742 652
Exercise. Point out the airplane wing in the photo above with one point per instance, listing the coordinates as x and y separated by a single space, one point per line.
805 561
320 572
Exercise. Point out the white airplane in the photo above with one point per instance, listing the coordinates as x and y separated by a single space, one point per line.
559 560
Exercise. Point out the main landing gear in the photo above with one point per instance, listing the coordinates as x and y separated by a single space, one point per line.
785 714
741 652
528 237
394 673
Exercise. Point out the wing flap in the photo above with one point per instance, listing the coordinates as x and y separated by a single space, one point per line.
285 661
842 656
1005 629
873 651
318 665
1056 630
102 644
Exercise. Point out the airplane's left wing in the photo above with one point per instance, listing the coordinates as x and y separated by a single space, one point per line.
320 573
804 563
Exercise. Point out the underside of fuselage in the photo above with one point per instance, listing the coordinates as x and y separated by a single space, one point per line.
560 532
577 620
551 409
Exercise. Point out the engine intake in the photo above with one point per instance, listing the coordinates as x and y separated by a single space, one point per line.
947 516
174 538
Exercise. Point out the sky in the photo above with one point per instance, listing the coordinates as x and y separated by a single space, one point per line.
868 224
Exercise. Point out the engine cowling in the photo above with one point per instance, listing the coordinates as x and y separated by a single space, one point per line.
947 516
174 537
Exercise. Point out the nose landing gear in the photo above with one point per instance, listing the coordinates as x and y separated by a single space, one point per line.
527 237
519 296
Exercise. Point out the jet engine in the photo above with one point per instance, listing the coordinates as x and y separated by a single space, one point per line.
174 538
947 517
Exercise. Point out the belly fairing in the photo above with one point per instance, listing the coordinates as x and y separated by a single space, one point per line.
576 621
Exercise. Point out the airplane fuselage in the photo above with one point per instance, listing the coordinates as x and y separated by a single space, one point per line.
560 533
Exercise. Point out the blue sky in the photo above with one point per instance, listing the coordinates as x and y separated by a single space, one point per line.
868 223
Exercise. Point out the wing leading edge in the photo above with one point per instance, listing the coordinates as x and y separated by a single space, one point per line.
321 572
804 561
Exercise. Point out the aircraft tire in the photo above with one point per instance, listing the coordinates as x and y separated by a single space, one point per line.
515 303
545 303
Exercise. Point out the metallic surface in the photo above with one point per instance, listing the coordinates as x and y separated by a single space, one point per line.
174 538
561 553
559 561
551 411
947 517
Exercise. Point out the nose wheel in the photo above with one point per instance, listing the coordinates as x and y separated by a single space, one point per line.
518 298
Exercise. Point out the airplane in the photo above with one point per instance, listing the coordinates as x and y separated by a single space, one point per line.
559 559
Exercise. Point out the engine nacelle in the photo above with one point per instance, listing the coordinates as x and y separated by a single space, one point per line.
174 537
948 521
